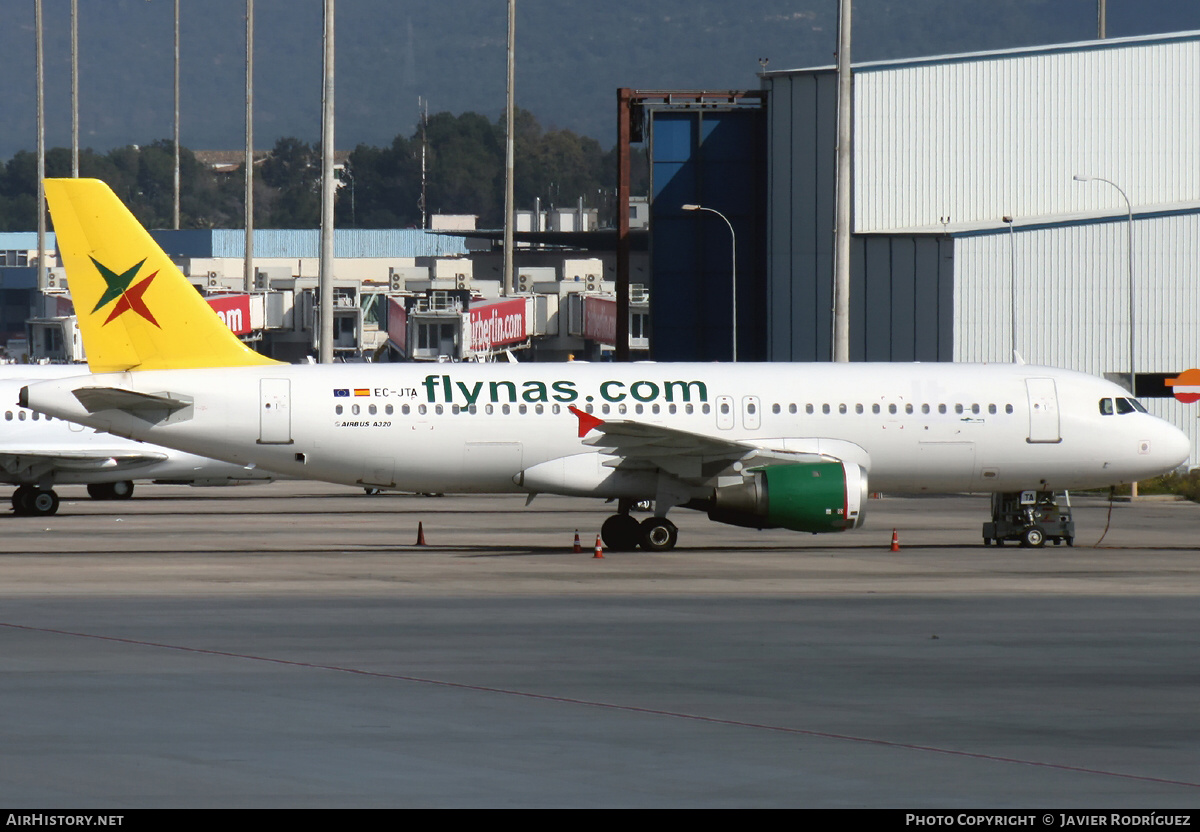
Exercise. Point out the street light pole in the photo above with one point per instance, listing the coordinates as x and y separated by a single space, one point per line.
1129 266
733 270
1129 253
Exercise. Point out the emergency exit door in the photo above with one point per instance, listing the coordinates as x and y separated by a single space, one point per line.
275 411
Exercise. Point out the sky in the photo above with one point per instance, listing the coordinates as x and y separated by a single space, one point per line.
571 57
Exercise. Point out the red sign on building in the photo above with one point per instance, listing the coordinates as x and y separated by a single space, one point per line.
600 320
397 324
234 310
498 324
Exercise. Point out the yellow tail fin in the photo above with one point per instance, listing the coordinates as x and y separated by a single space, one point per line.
136 309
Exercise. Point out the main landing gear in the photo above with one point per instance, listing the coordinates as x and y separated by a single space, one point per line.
624 533
111 490
1031 518
31 501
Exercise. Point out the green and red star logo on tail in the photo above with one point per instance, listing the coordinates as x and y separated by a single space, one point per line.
127 298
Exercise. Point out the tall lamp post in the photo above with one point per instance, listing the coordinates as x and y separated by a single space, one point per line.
733 270
1129 253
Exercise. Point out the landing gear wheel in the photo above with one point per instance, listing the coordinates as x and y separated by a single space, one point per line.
621 533
34 502
1033 537
20 500
659 534
122 490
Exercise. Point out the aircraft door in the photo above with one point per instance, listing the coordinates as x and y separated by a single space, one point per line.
725 412
275 411
751 413
1043 410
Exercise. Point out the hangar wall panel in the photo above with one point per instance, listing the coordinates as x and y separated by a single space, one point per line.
977 137
1071 297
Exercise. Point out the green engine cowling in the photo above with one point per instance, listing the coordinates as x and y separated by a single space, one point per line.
804 497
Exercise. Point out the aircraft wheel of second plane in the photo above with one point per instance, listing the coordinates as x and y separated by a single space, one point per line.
659 534
621 533
30 501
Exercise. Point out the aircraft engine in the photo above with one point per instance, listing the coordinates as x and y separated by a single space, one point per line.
804 497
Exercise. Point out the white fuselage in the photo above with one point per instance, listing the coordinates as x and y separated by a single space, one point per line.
475 428
37 450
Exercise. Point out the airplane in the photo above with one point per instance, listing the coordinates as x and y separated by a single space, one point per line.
38 452
758 445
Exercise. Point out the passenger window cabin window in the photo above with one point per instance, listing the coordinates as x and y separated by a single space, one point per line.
775 409
941 408
1008 408
874 408
892 409
338 410
8 415
808 408
842 409
992 409
908 408
792 408
825 409
924 408
975 409
958 408
858 408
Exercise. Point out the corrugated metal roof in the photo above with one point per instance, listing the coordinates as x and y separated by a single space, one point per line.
1108 43
347 242
23 240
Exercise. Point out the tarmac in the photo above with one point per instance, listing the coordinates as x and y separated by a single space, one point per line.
290 646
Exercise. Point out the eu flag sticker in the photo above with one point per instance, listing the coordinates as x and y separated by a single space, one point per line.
340 392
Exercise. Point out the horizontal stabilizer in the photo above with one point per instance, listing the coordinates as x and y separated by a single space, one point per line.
96 399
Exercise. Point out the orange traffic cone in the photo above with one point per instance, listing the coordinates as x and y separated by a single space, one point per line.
599 549
420 534
578 547
895 542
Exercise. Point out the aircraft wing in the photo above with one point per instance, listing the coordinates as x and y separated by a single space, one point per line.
34 462
693 457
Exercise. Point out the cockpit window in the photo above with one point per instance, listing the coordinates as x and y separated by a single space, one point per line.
1138 406
1124 406
1106 407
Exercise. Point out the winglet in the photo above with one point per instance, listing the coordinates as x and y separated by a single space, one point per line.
587 422
136 310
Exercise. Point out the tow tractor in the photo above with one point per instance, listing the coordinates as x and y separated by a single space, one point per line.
1031 518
